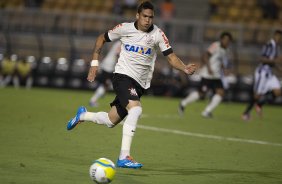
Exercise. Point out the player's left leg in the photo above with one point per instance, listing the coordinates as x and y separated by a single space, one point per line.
269 97
16 82
29 82
217 86
272 84
215 101
129 127
259 89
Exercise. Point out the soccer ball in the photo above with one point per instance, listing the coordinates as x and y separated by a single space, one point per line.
102 171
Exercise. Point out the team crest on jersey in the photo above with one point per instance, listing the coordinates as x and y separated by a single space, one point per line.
149 39
133 92
138 49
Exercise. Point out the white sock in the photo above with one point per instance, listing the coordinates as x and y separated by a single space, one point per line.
100 118
29 82
16 82
216 99
128 131
98 93
192 97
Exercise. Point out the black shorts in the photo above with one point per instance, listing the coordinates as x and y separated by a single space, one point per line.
212 84
104 76
126 89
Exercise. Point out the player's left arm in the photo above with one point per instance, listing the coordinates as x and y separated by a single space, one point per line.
176 63
173 60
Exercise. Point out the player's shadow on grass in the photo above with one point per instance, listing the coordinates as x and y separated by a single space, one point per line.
203 171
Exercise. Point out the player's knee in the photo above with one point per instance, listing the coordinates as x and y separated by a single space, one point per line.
220 92
137 110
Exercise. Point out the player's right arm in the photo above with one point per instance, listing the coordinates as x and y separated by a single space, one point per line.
210 51
96 53
206 58
268 53
109 36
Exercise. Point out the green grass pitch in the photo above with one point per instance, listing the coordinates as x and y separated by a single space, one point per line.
36 148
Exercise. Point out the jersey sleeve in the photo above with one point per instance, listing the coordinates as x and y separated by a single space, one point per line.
163 43
115 33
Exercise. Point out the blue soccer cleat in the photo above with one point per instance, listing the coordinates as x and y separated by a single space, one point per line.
74 121
128 162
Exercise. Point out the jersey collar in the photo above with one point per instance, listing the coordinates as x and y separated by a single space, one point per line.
149 30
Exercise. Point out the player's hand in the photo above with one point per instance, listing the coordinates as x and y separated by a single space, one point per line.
92 73
190 69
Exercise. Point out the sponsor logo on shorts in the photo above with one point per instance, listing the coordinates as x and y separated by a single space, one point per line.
133 91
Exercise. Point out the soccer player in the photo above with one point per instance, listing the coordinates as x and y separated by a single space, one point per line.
212 75
264 79
132 75
107 66
8 68
23 74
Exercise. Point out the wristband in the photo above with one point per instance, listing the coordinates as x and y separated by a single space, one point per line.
94 63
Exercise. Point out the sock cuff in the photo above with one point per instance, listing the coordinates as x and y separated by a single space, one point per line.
107 120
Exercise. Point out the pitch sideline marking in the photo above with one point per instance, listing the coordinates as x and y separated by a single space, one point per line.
216 137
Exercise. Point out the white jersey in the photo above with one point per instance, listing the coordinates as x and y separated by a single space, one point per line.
109 62
138 51
217 59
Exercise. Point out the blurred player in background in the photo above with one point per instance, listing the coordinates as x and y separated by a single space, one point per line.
23 73
264 79
212 75
132 75
107 68
8 69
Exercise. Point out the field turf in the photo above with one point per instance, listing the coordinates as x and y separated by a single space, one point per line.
36 148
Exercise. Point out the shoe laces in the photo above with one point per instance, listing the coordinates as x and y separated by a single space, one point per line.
130 158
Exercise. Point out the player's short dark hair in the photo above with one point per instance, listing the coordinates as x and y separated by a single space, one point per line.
278 31
145 5
225 33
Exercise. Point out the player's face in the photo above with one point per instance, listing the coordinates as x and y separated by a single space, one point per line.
145 19
225 41
277 38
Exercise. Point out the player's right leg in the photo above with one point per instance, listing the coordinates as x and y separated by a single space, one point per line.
258 88
246 116
192 97
102 118
76 120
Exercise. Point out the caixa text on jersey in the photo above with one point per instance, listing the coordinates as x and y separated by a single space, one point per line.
138 49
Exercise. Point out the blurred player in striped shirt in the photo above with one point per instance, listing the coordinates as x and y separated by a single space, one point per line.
265 80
